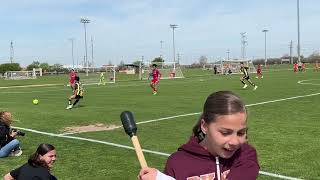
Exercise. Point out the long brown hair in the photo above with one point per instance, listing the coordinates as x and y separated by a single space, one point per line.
217 104
35 160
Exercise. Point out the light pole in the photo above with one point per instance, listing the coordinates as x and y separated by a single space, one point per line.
161 54
244 42
92 54
173 26
265 46
85 21
228 52
72 39
298 18
161 49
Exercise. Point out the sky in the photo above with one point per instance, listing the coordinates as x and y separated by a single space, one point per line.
126 30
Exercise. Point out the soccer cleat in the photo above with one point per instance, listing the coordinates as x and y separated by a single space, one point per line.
245 86
261 77
16 153
69 107
154 93
257 77
255 87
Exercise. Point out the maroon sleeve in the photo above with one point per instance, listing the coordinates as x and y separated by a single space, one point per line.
246 167
168 170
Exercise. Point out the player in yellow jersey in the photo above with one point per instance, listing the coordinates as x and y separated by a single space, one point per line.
246 76
77 93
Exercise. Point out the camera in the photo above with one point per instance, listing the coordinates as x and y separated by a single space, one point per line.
19 133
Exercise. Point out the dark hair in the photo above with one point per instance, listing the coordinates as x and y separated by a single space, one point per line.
241 62
34 159
154 65
77 78
217 104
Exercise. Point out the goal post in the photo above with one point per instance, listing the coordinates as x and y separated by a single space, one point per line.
18 75
233 66
168 70
110 73
93 78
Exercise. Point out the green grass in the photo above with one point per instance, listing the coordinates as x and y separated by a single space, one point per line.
285 133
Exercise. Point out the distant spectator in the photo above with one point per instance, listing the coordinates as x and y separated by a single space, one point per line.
38 166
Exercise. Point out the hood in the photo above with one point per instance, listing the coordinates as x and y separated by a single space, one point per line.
193 147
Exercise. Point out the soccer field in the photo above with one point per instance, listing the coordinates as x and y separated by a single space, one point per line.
283 122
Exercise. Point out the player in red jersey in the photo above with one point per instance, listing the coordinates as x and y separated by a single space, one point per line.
72 78
316 66
259 74
295 67
156 75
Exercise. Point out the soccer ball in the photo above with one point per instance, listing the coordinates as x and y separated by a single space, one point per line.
35 101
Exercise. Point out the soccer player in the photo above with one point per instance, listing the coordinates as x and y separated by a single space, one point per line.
72 78
101 80
316 66
77 94
295 67
245 72
259 74
303 67
156 75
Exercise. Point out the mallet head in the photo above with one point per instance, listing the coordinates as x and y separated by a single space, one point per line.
128 123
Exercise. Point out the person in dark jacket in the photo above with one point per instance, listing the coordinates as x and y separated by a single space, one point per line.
218 147
9 145
38 165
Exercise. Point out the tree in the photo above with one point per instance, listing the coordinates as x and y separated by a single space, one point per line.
203 60
10 67
34 64
158 59
45 67
57 67
137 63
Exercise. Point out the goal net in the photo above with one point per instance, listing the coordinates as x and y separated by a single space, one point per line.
233 66
18 75
168 70
107 74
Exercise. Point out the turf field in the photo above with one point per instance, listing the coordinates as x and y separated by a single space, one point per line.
283 121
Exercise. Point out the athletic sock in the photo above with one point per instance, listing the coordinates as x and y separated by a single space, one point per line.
76 102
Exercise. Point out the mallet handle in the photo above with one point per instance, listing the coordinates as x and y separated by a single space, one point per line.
139 152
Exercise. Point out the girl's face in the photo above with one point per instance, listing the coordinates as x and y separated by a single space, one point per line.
226 135
49 158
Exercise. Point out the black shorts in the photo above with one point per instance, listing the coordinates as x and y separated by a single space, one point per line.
79 97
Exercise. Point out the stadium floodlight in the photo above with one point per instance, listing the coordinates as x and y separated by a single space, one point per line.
173 26
85 21
265 46
244 42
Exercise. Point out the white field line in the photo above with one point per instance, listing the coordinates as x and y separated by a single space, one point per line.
131 148
140 83
307 82
165 154
33 85
191 114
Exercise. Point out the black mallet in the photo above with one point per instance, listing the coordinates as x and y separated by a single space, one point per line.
130 128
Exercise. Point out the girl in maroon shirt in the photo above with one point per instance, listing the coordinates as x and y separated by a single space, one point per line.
218 148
